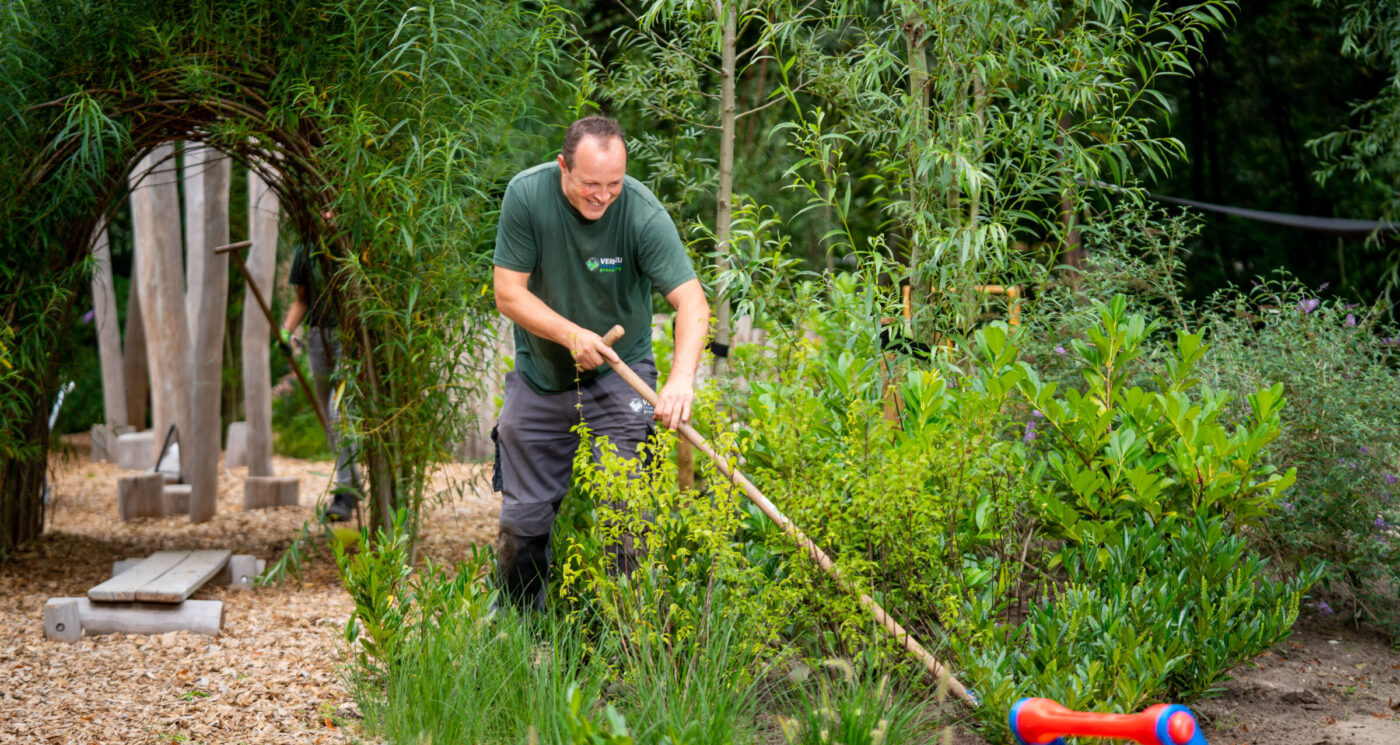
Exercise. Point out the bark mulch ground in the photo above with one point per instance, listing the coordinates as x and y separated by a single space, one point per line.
272 675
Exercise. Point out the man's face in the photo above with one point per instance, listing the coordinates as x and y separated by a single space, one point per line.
595 181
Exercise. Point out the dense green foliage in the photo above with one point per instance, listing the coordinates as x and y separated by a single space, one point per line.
402 122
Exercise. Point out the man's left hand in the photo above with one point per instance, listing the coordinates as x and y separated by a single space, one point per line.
673 402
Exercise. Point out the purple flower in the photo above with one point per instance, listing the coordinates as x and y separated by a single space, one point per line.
1391 479
1324 608
1350 322
1380 523
1030 434
1365 450
1309 305
87 317
1287 506
1037 413
1060 350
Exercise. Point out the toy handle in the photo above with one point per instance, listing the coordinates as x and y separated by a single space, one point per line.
1040 721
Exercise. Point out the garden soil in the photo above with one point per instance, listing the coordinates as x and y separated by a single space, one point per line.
274 674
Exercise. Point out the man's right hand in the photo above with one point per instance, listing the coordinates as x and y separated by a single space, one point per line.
588 349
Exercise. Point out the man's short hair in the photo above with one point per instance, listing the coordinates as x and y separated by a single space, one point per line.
598 126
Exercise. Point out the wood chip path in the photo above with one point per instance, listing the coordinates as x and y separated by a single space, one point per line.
272 677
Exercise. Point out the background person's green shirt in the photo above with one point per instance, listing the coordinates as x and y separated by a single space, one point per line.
594 273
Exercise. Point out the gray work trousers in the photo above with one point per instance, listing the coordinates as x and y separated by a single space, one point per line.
323 351
535 441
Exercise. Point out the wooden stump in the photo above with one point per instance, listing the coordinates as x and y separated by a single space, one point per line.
200 616
140 495
176 499
136 451
270 491
104 441
241 571
236 446
62 620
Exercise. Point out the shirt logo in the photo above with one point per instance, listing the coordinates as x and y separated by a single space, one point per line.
606 265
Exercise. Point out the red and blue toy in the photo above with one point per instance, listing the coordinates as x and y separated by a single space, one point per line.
1040 721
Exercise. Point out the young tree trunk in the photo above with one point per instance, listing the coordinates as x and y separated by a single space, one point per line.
206 373
917 56
109 338
257 372
724 206
1073 250
135 370
22 487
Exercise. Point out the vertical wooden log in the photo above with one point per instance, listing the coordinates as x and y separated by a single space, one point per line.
257 372
192 179
135 371
143 229
210 287
172 327
109 339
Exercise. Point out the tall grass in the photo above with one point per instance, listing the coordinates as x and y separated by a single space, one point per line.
478 678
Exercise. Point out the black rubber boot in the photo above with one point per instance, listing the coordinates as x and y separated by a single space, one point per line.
522 569
342 506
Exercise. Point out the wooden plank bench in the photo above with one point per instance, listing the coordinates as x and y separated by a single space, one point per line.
164 577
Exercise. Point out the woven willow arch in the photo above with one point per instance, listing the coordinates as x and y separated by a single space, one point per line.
404 120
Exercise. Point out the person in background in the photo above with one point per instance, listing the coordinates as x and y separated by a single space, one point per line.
324 353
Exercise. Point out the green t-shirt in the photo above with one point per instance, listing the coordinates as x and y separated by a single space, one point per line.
306 272
594 273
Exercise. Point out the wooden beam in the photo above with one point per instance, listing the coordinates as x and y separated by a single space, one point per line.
123 587
199 616
163 577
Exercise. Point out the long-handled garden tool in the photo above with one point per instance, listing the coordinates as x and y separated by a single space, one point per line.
688 432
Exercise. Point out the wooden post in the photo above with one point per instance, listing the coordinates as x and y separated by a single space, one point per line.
143 228
135 371
155 207
200 455
109 340
196 157
261 263
141 495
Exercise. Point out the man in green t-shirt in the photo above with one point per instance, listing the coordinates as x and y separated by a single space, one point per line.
581 246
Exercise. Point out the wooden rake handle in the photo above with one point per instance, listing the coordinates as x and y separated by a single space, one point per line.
813 550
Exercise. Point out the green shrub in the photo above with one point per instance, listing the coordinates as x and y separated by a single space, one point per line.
1118 507
1336 363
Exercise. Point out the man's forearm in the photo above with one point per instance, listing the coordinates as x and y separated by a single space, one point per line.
526 309
692 326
